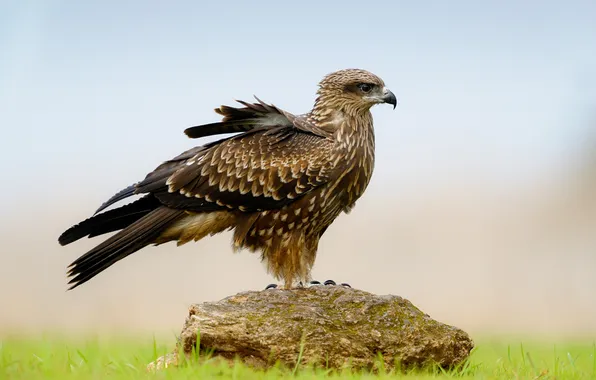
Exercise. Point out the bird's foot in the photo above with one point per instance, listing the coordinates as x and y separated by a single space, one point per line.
328 283
300 285
311 283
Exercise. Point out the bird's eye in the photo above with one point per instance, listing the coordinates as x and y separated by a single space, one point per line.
365 87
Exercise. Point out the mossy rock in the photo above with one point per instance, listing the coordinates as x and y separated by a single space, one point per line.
327 326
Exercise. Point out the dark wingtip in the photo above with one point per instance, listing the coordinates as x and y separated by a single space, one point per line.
68 237
122 194
198 131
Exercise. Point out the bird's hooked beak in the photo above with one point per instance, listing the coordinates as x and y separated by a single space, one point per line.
389 97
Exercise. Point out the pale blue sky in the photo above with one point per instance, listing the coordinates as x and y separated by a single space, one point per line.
95 94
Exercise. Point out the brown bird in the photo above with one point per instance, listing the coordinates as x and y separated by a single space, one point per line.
278 184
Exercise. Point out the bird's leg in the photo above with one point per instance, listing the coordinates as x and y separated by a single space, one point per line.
288 284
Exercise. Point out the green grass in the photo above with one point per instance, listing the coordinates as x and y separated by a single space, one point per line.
60 358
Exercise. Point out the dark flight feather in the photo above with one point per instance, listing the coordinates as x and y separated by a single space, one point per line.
155 178
129 240
220 128
109 221
251 116
122 194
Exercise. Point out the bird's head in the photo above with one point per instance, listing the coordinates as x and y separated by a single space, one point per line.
353 91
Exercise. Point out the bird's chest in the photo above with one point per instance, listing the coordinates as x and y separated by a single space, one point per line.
358 165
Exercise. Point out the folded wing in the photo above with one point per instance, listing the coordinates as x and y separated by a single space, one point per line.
275 160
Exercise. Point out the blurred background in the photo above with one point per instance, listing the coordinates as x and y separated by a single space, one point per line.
481 211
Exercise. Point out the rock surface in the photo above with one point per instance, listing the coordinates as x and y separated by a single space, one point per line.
333 326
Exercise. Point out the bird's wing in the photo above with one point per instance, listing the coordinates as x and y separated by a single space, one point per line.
266 130
162 171
258 170
251 116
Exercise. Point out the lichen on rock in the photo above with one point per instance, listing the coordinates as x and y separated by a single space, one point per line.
327 326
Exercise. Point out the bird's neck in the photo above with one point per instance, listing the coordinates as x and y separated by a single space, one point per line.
354 151
355 132
342 121
327 108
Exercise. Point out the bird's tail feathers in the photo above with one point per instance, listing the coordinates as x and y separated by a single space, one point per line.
138 235
109 221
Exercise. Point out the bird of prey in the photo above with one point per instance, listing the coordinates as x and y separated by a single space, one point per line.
278 182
